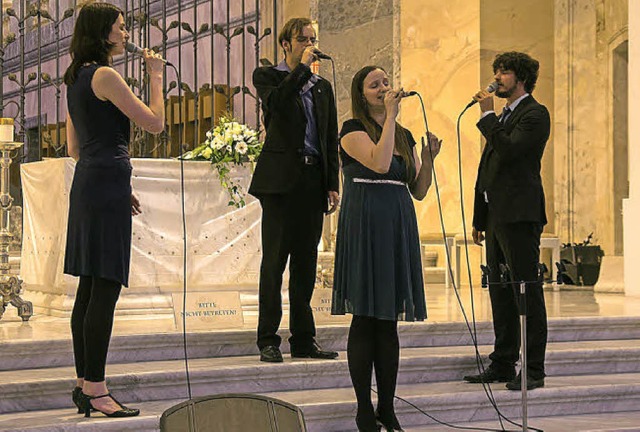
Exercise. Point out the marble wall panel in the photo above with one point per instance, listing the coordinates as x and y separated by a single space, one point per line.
586 35
525 26
356 33
632 205
440 53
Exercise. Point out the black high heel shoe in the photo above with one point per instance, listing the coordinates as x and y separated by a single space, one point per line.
367 423
75 397
85 403
389 425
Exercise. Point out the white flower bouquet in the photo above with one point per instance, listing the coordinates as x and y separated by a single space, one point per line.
228 143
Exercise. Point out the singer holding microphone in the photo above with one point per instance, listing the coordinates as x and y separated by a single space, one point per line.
101 202
296 181
509 213
378 269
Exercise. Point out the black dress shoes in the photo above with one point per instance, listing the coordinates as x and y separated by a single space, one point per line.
491 375
271 354
516 383
315 352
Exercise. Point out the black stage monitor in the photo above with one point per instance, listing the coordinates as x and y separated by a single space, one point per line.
233 413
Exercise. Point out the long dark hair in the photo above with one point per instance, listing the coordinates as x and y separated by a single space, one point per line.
360 111
90 41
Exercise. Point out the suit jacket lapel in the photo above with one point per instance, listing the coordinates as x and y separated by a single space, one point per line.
517 113
320 114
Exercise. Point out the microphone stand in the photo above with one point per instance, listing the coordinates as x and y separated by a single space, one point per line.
505 278
522 306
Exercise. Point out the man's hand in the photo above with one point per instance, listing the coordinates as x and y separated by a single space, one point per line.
136 208
485 100
334 200
309 55
478 236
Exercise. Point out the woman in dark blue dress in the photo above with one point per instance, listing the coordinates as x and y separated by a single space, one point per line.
378 270
101 202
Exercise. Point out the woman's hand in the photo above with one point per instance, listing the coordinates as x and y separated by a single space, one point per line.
430 150
155 65
136 208
392 102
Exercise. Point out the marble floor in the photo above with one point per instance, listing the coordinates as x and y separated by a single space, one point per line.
443 306
593 367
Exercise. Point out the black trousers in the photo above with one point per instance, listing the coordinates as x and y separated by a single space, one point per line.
291 229
518 246
91 325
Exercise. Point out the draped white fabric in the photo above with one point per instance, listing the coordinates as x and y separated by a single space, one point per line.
223 243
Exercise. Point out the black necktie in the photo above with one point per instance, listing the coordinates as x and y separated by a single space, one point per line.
505 114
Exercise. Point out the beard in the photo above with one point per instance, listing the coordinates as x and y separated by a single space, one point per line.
504 94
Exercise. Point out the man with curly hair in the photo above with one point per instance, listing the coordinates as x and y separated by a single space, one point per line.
509 213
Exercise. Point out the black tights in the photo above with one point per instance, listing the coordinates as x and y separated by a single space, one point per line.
373 343
91 324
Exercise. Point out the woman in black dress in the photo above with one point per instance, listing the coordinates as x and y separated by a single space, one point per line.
378 270
101 202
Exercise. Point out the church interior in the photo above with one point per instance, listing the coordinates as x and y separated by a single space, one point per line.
196 250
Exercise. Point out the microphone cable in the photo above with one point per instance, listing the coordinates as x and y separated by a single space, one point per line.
479 362
191 414
335 90
184 232
191 417
472 332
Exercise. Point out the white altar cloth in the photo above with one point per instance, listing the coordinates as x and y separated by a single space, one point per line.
223 243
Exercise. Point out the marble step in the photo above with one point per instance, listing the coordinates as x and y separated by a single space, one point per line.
460 402
224 343
49 388
333 410
627 421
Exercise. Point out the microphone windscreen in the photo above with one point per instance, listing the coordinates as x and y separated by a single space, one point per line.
492 87
132 48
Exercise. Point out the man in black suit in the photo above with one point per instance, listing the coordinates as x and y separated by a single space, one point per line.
296 181
509 213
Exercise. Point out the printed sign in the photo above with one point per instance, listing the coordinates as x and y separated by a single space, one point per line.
321 306
209 310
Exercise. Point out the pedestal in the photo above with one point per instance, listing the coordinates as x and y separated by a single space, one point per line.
10 286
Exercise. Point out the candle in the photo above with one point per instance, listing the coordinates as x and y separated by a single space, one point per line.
6 129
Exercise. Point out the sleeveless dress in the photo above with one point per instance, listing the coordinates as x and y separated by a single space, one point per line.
99 228
378 269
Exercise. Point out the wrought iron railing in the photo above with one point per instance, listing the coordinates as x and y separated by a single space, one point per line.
215 45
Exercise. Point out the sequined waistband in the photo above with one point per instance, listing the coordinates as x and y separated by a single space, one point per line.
379 181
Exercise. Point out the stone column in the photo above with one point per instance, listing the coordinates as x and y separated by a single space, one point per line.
631 207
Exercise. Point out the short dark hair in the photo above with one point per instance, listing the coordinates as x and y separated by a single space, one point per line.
525 67
90 41
292 27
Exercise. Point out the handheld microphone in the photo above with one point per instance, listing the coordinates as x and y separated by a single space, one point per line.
321 55
490 88
408 93
135 49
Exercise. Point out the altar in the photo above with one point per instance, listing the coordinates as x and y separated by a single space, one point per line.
222 243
